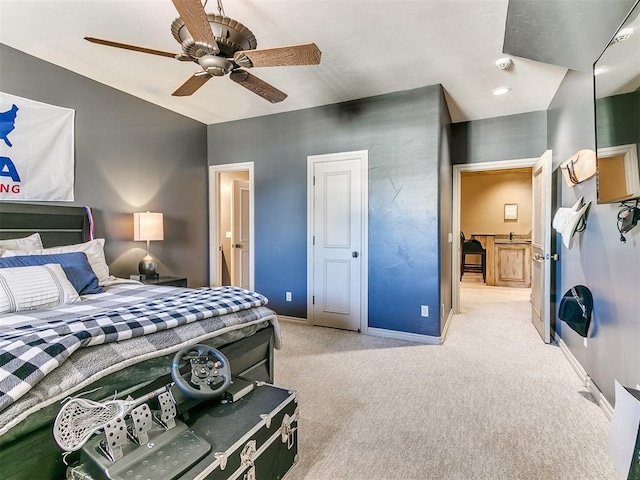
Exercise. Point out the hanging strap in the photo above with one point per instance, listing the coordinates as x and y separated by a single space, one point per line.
571 171
579 302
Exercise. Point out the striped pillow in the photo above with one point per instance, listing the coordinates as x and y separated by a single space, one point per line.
28 288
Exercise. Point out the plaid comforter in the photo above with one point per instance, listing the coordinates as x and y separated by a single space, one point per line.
30 347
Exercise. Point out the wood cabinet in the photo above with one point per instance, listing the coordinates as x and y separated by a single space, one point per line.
487 240
512 264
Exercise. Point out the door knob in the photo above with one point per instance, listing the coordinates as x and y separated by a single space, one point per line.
237 245
354 254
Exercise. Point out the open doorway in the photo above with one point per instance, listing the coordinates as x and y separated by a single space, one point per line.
231 225
502 214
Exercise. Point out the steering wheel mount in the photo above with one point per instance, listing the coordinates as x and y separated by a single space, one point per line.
209 375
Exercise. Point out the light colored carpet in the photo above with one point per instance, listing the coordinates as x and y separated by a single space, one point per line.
494 402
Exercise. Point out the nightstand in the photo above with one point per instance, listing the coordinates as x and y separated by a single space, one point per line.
167 281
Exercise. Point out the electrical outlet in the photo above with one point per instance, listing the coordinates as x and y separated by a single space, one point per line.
424 310
584 342
288 296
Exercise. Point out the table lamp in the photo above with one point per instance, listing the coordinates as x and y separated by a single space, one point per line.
148 226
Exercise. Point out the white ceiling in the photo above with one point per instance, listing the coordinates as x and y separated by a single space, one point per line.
368 48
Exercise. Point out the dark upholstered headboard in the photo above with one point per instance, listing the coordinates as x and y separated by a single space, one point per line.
57 225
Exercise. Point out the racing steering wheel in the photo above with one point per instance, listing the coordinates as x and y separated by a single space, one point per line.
208 365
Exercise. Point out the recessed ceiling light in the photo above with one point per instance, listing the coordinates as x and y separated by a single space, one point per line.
622 35
503 63
501 90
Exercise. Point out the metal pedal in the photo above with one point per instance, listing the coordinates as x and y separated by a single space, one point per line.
141 423
168 410
115 433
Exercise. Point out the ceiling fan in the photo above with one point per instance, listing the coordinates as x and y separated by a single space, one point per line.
221 46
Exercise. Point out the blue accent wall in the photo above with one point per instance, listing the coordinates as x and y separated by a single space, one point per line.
402 132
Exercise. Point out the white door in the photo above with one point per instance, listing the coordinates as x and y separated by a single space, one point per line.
337 244
541 257
240 238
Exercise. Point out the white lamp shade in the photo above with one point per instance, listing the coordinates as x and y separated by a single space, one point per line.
148 226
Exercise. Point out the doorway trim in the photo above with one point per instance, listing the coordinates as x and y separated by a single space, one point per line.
215 273
364 264
455 250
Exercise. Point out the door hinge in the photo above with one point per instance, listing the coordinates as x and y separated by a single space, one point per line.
313 242
313 300
314 179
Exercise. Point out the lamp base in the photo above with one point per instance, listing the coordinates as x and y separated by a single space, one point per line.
148 267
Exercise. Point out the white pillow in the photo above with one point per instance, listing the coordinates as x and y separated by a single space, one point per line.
28 288
93 249
32 242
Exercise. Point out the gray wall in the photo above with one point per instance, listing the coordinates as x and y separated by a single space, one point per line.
501 138
609 268
130 156
402 132
562 32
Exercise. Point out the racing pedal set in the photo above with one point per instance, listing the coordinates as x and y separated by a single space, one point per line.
229 439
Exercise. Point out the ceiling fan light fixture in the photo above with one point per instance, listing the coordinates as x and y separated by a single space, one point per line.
501 91
214 65
221 45
231 36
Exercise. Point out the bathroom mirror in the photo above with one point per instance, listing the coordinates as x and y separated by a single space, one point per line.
617 113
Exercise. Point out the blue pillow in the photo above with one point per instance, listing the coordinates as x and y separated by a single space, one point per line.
75 265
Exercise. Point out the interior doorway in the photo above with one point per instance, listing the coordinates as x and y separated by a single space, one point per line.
505 214
231 225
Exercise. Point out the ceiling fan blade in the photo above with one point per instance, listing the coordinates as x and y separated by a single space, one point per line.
136 48
257 86
195 19
191 85
306 54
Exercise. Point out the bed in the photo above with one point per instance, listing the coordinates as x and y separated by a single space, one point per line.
241 327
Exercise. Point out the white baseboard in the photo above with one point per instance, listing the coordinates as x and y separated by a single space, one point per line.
409 337
606 407
573 361
446 326
383 332
296 320
600 399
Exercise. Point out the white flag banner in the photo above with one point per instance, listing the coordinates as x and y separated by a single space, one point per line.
36 150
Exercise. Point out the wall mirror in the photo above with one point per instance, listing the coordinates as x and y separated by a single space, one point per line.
617 113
